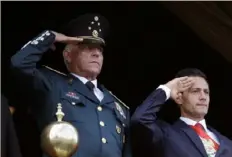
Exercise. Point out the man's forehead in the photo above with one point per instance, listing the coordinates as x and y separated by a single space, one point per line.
85 45
199 82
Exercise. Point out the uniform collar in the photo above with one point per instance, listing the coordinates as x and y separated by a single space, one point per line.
84 80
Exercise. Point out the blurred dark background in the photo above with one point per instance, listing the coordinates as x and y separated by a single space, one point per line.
147 45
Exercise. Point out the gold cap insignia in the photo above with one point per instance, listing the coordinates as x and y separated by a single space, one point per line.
95 33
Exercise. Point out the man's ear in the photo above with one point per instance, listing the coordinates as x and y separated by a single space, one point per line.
66 54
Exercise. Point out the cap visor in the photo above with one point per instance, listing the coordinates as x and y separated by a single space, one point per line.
92 40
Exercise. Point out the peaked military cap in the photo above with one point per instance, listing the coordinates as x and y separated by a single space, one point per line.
92 28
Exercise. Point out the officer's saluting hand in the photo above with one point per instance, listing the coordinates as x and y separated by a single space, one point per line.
61 38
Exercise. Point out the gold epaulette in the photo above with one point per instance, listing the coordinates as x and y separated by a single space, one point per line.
49 68
119 100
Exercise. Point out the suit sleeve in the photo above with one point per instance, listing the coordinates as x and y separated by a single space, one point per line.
24 63
146 114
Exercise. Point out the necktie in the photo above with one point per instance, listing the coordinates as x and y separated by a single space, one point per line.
90 85
210 145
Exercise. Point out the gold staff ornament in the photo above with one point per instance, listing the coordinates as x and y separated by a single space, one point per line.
60 138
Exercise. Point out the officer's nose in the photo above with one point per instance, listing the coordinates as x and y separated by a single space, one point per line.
96 52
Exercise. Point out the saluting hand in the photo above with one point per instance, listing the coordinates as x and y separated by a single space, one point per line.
61 38
178 85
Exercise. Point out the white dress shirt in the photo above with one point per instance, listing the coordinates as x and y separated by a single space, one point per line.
98 93
190 121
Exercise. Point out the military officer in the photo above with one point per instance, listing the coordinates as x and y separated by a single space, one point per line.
100 117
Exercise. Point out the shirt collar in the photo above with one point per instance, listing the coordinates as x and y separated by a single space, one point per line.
192 122
84 80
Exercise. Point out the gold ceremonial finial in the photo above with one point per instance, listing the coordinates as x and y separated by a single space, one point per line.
59 113
60 138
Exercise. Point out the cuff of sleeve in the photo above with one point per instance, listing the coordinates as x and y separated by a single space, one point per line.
166 90
42 42
44 38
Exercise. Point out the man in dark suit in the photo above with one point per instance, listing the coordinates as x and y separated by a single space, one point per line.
101 118
190 136
9 141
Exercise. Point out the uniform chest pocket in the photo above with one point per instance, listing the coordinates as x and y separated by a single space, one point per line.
74 108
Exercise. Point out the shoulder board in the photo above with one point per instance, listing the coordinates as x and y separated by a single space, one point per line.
56 71
119 100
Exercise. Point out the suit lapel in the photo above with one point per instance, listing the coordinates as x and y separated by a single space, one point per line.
192 136
80 87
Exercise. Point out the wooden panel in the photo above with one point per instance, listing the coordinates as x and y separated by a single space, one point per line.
211 21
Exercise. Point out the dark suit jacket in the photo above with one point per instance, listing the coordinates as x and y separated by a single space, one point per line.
178 140
9 140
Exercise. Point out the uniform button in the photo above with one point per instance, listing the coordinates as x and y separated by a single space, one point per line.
102 123
99 108
103 140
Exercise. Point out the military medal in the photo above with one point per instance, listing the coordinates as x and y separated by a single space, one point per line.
124 139
72 95
118 129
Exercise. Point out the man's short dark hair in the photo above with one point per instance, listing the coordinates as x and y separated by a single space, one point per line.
194 72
